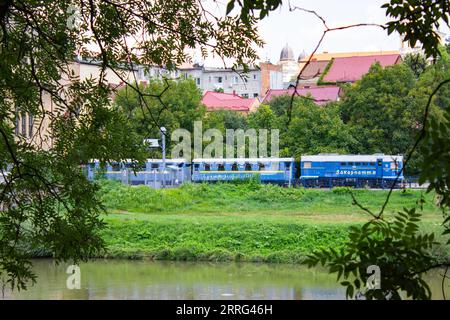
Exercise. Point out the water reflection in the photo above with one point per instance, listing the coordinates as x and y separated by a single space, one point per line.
118 279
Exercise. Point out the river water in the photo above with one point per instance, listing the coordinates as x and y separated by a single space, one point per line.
130 279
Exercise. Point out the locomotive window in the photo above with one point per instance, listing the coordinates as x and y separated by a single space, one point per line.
207 167
221 167
380 163
261 166
307 165
248 167
343 163
115 166
234 167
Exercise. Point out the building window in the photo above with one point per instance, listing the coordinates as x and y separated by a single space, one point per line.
218 79
254 77
24 124
234 80
198 81
245 95
16 120
30 125
255 95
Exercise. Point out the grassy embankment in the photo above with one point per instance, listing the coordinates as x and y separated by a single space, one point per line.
247 222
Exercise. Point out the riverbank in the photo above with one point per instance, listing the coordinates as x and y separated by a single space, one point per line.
243 222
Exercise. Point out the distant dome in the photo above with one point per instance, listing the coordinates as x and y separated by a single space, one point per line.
287 53
301 56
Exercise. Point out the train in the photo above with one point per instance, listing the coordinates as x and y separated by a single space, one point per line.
312 171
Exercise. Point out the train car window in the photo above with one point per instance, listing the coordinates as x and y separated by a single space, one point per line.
343 163
275 166
394 165
357 163
364 163
180 165
261 166
156 165
196 166
115 167
380 163
207 167
234 167
350 163
287 165
248 167
307 165
221 167
372 163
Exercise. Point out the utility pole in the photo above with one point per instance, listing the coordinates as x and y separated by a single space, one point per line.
163 147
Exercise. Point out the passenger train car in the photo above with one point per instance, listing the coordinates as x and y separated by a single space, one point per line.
375 171
176 172
269 170
319 171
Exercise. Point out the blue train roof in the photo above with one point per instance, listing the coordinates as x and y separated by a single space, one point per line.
241 160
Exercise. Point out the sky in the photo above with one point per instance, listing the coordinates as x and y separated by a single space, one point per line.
303 30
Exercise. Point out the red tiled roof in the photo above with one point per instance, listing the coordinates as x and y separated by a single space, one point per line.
218 100
349 69
321 95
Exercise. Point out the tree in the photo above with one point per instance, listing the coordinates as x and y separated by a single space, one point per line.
316 129
224 119
380 111
416 62
178 107
264 118
45 200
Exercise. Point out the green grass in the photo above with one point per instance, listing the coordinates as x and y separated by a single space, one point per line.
242 222
248 198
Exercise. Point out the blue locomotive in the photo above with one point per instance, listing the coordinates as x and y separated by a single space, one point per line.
268 170
319 171
329 170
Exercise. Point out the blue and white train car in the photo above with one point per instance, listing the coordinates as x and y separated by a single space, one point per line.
329 170
268 170
152 173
